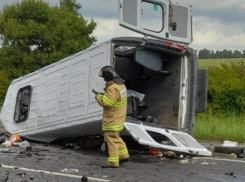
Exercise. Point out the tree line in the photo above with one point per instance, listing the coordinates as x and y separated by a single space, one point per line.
34 35
210 54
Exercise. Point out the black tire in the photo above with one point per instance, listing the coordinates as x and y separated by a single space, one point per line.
192 89
228 150
201 91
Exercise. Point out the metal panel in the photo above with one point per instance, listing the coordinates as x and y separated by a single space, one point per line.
180 17
177 141
77 97
50 96
130 13
97 59
149 59
60 94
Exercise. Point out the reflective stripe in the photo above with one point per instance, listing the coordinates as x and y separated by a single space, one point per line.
109 102
122 152
113 159
119 104
113 128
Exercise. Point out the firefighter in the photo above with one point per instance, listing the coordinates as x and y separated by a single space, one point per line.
114 103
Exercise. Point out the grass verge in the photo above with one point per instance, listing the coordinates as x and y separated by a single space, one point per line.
205 63
220 128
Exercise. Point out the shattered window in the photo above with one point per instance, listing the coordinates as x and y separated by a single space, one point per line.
23 101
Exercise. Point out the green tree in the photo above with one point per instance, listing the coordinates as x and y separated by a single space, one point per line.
226 88
35 35
217 54
70 4
205 54
4 82
237 54
243 53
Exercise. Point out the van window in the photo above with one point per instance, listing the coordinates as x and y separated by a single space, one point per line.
151 16
22 107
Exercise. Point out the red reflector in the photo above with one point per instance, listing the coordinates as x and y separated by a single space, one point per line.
180 47
168 44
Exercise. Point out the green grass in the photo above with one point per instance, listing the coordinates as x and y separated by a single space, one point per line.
220 128
205 63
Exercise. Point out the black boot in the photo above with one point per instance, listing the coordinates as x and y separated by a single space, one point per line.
124 160
108 166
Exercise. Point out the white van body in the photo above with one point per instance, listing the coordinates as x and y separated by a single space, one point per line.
57 101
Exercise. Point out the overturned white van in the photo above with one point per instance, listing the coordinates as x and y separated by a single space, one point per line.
57 101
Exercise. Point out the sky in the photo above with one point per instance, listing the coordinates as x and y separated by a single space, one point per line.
217 24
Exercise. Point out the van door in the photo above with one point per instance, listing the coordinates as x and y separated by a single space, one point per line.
166 139
160 19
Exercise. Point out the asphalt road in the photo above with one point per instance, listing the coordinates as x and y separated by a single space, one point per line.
50 163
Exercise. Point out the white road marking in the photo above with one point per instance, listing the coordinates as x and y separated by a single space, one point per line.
52 173
220 159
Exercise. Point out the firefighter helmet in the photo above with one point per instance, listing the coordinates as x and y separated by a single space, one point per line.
109 73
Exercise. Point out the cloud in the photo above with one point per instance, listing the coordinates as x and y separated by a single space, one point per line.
204 24
225 10
217 24
208 33
218 41
109 28
215 34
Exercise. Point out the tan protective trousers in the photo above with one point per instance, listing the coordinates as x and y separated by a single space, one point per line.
116 148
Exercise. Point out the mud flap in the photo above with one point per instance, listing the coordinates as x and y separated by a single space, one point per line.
177 141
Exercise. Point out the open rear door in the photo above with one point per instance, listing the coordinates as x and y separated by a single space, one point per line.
165 139
160 19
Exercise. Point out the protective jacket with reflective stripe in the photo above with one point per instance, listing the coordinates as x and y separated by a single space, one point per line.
114 103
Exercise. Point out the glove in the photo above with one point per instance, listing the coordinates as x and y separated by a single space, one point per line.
98 96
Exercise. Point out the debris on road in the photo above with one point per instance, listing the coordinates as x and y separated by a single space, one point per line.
7 143
205 163
238 151
230 174
2 137
5 151
24 144
84 179
232 155
15 138
21 174
184 161
11 141
229 144
154 151
170 154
